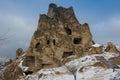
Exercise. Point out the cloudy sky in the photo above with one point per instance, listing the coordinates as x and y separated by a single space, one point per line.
18 21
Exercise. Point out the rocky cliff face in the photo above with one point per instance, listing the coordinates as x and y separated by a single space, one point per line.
59 38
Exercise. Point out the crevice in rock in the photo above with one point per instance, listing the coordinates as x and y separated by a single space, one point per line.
28 72
68 31
67 54
36 46
48 42
77 40
54 42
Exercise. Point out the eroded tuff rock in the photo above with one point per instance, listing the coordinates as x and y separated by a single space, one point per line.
58 36
96 50
13 72
19 52
111 48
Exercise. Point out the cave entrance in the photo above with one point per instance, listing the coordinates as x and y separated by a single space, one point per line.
46 65
48 42
68 31
37 45
30 61
77 40
28 72
54 42
67 54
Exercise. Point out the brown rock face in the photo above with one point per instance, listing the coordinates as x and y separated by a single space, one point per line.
19 52
12 72
116 60
100 64
96 50
111 48
58 36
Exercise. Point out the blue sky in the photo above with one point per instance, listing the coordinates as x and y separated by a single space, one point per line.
18 20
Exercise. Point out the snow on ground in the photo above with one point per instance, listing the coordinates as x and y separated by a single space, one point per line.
72 68
20 60
3 60
118 47
24 68
57 77
96 45
94 73
107 55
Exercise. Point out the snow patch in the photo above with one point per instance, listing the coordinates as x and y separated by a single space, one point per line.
24 68
89 72
96 45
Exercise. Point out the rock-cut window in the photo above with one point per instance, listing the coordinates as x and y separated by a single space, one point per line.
54 41
37 45
67 54
77 40
68 31
48 42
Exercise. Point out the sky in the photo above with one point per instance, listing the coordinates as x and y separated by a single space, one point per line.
19 19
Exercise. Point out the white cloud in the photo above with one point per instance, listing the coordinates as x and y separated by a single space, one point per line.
115 22
20 33
107 30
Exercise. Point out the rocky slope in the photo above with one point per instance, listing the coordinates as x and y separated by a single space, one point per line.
63 49
104 66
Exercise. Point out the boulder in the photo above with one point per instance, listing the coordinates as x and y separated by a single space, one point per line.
13 72
116 60
96 50
19 52
111 48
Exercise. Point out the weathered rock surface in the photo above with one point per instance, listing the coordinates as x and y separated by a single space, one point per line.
115 60
111 48
12 72
58 36
19 52
96 50
100 64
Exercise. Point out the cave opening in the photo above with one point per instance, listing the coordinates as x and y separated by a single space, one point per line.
46 65
68 31
48 42
77 40
37 45
28 72
67 54
54 41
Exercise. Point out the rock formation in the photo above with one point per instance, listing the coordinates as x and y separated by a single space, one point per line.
96 50
111 48
58 36
19 52
13 72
